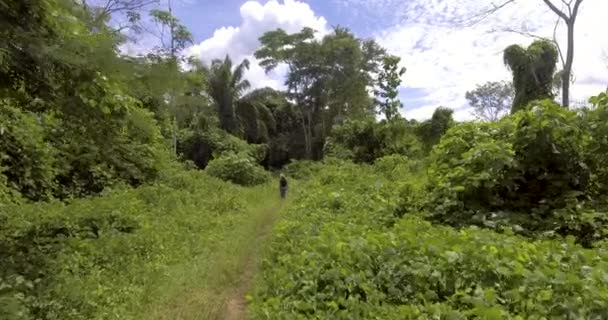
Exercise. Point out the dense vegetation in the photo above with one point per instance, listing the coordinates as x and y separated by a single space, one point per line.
127 182
113 256
344 252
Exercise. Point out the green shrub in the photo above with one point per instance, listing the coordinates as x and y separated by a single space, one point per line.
201 146
596 123
7 195
127 150
515 171
28 159
550 151
366 140
431 131
238 168
302 169
395 166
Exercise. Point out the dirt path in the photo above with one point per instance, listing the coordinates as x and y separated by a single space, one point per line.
236 304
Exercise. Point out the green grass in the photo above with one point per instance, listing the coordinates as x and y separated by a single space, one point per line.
171 250
202 287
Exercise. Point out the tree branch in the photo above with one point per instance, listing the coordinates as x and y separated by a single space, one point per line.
471 21
577 4
556 10
523 33
568 5
559 49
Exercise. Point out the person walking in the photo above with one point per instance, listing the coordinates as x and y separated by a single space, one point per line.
283 186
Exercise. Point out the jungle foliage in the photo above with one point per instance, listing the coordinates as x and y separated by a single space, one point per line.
116 168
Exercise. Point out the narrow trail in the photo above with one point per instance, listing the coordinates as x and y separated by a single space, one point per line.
236 304
213 286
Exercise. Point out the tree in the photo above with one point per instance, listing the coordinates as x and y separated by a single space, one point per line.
327 79
569 16
389 80
255 116
179 36
167 56
67 108
533 69
492 100
225 87
101 11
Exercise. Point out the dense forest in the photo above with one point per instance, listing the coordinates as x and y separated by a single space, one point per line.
144 187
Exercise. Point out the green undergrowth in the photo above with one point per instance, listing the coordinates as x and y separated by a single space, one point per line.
201 288
122 254
342 252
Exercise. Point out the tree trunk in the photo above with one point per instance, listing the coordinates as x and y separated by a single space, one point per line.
568 65
306 131
310 136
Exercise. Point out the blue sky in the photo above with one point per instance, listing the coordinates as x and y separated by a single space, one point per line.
442 61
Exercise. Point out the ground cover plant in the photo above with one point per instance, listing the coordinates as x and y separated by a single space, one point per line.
334 256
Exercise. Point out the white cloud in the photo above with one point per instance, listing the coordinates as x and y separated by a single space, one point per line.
447 60
241 41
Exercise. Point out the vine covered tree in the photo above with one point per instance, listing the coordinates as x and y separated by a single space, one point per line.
568 13
533 69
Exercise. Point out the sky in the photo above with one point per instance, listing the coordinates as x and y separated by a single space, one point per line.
444 58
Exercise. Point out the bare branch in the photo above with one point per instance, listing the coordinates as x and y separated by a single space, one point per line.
557 10
113 6
559 49
577 5
523 33
471 21
568 5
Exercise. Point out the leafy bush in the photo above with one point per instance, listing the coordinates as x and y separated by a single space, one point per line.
201 146
431 131
7 195
332 257
365 141
407 177
596 123
396 166
238 168
302 169
518 170
25 152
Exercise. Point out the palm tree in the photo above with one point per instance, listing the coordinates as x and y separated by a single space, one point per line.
225 87
254 111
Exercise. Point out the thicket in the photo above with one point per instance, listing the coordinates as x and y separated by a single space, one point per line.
537 170
364 141
339 253
238 168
